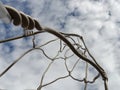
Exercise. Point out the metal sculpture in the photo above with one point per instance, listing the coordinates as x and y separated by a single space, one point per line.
28 24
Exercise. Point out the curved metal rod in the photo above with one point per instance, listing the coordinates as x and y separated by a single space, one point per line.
15 15
18 19
25 20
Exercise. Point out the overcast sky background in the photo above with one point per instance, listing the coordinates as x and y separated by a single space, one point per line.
98 21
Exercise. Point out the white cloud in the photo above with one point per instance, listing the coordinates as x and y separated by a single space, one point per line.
96 20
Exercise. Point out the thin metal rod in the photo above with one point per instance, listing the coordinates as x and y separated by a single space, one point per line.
19 37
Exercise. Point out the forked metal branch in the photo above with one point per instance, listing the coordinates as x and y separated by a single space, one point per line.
28 24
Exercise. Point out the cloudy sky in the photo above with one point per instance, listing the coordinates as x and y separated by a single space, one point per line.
98 21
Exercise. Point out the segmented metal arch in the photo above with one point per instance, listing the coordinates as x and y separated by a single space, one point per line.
19 18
